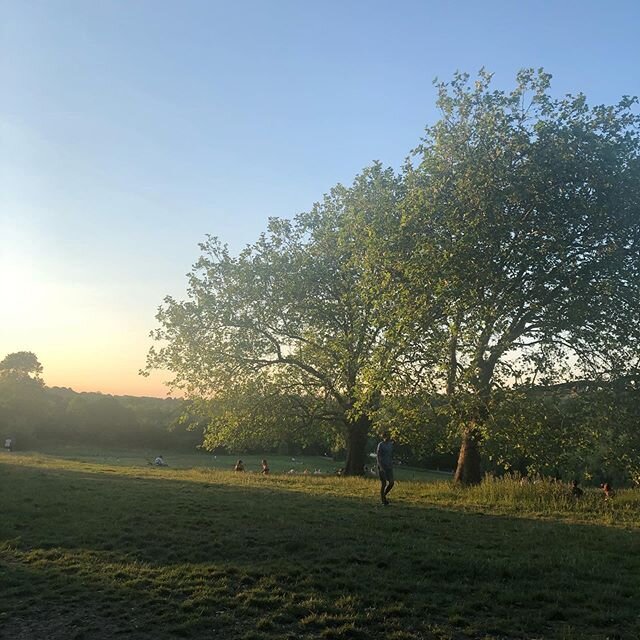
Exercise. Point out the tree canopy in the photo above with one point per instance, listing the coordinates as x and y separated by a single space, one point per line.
21 365
295 311
521 217
505 253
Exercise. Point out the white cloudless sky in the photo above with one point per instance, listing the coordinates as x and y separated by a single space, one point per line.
129 130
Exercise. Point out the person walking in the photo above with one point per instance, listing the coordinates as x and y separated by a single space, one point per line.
384 454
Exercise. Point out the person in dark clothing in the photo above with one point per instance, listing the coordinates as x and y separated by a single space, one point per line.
384 454
576 491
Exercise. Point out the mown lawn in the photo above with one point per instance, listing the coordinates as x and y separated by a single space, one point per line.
93 549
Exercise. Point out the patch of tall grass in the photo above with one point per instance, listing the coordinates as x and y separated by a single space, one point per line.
545 497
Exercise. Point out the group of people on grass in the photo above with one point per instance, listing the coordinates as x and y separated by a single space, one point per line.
606 487
384 458
577 492
239 466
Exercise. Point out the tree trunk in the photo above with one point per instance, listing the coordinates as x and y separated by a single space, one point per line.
357 434
468 471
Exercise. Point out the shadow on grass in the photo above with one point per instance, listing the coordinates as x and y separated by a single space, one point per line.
106 554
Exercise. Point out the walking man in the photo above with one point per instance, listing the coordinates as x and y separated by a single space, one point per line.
384 454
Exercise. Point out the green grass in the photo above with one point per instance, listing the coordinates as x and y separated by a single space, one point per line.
98 547
297 465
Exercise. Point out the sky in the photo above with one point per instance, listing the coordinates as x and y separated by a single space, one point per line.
131 129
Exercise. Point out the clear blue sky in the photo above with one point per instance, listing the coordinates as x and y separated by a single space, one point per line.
130 129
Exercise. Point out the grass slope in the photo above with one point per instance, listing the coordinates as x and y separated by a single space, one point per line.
95 550
201 460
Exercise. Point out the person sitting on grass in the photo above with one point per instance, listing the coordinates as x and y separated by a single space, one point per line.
265 468
576 491
239 466
159 462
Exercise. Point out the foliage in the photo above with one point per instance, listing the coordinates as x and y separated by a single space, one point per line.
294 311
506 253
607 421
262 415
102 417
520 226
420 428
566 431
21 365
33 414
24 408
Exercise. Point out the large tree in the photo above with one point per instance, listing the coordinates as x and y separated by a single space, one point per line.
295 311
521 226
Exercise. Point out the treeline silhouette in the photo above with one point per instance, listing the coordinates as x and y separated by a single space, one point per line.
582 430
32 414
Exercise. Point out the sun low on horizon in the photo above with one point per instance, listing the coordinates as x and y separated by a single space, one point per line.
83 339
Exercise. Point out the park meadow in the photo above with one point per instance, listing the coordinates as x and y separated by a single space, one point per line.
97 545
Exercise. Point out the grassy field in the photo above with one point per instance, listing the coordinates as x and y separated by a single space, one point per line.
297 465
105 546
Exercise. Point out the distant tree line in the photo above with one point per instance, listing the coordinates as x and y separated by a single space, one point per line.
583 429
33 414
